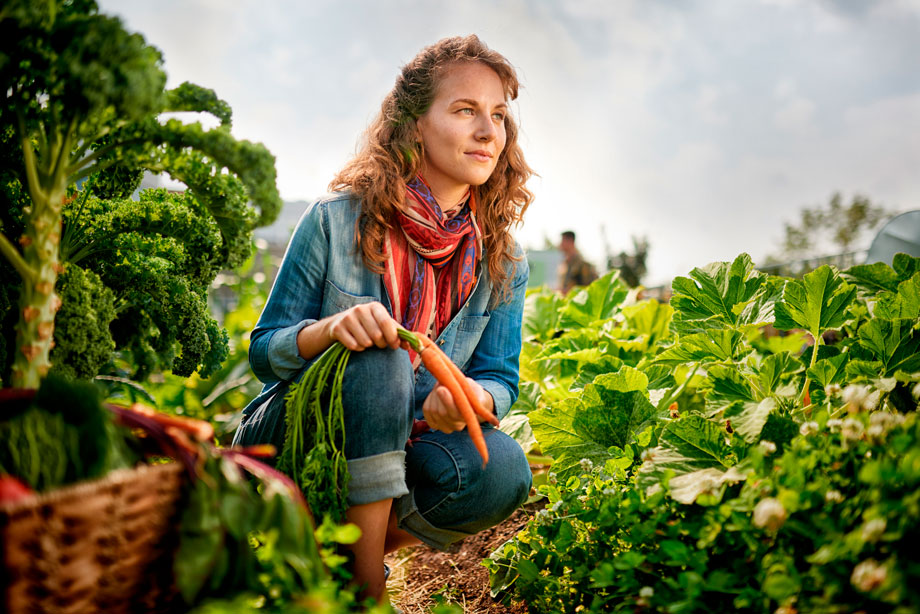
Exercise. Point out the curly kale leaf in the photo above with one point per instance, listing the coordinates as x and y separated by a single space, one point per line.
83 343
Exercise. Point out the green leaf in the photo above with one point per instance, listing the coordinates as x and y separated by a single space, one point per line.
590 370
873 277
903 304
776 369
517 426
793 343
816 303
896 344
541 314
828 370
715 296
649 320
606 414
600 300
554 428
905 265
686 446
864 369
728 385
709 346
749 418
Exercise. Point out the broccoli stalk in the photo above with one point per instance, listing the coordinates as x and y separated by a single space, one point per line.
84 97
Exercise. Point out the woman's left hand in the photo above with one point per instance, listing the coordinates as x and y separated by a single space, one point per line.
441 412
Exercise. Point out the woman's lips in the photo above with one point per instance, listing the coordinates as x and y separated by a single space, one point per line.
480 156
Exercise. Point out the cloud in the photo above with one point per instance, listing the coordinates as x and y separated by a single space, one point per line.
700 125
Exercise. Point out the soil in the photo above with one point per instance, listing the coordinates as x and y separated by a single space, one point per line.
457 574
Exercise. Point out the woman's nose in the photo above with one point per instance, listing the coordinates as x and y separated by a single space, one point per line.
486 130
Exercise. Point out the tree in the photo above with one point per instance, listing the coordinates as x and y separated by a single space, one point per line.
833 228
632 266
81 107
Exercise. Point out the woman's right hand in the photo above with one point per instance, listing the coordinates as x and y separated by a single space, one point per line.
357 328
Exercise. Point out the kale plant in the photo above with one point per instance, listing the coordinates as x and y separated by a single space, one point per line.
83 98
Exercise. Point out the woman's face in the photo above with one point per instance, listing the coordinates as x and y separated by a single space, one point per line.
463 131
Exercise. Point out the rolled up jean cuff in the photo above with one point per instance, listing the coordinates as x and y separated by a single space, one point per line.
410 520
377 477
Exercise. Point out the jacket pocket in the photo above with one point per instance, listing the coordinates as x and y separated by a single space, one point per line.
469 332
336 300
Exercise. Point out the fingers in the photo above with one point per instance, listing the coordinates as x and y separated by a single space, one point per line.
441 413
363 326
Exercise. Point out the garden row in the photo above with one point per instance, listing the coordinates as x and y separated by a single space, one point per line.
752 446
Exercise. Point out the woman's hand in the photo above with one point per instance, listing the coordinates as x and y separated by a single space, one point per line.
357 328
362 326
441 412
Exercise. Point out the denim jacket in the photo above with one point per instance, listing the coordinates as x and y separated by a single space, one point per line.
323 273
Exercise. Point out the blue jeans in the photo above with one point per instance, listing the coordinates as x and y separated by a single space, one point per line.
440 490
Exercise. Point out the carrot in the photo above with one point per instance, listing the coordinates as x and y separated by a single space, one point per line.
436 364
200 430
481 411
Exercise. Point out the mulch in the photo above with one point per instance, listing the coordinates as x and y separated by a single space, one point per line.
420 574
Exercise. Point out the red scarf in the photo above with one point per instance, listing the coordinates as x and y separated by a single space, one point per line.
431 261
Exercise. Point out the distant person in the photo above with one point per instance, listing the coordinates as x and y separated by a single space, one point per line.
573 271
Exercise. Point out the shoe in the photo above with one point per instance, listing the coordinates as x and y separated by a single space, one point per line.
386 572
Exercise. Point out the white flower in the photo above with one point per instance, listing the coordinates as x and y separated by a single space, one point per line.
557 506
858 397
834 424
855 394
609 491
646 592
832 390
647 455
586 465
852 428
767 447
873 530
881 422
916 391
551 478
868 575
808 428
833 496
769 514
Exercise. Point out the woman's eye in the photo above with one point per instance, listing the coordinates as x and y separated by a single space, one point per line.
466 111
499 116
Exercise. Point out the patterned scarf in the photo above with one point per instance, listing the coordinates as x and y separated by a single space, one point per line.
431 260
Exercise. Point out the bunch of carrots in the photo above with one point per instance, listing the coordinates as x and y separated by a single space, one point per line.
450 376
313 451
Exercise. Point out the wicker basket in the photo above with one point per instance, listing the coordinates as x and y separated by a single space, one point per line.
100 546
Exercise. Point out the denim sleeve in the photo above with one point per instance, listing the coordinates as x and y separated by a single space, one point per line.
294 302
495 363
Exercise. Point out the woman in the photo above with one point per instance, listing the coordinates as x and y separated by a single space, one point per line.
417 234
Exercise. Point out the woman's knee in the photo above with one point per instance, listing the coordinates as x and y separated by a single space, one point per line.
377 397
453 489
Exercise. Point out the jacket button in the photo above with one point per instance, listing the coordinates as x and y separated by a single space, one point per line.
440 342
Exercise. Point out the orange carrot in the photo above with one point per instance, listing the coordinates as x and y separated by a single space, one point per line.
481 411
438 367
198 429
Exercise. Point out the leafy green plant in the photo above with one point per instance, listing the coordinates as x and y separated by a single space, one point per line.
81 108
754 473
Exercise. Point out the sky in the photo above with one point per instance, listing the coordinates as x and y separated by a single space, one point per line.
702 126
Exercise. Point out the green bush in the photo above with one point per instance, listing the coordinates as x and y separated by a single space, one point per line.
759 474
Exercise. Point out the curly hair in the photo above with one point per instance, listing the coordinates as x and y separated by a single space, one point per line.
392 153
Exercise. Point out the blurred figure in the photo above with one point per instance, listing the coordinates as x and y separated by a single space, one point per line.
573 271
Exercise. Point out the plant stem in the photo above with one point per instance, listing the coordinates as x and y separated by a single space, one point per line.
40 259
15 258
